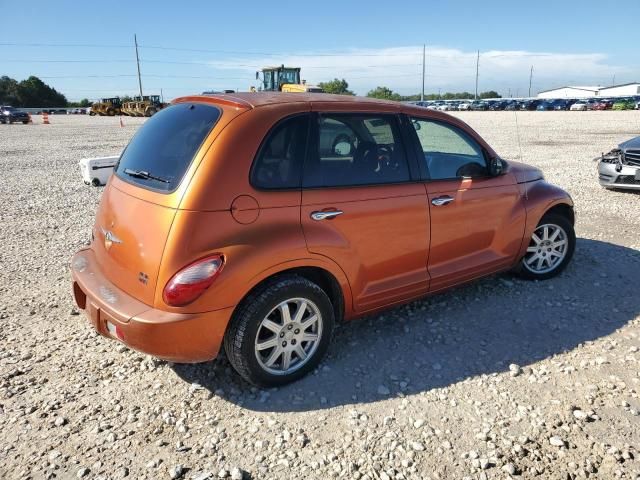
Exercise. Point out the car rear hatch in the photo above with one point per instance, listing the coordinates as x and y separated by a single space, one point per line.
139 204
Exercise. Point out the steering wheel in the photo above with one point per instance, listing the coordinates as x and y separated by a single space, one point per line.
386 160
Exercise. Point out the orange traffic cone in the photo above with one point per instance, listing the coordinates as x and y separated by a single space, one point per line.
45 118
121 124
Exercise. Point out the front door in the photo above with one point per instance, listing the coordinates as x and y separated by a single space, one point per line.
361 208
477 221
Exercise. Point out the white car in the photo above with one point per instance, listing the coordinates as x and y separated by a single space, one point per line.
578 107
464 106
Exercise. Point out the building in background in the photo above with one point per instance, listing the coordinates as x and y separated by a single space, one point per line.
625 90
570 92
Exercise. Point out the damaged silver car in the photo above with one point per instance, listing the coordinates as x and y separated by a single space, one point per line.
620 168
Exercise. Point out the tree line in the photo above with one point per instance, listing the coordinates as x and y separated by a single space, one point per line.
31 92
341 87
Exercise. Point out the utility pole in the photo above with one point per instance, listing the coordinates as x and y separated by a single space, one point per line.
509 93
614 80
135 40
424 48
530 78
477 70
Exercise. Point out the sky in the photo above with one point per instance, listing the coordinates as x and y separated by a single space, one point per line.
86 49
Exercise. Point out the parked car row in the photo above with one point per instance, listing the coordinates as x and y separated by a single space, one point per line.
65 111
573 104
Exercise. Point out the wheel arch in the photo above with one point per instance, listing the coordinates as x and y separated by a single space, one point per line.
564 210
543 198
333 282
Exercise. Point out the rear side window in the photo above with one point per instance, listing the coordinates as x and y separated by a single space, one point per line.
448 151
279 161
356 149
160 153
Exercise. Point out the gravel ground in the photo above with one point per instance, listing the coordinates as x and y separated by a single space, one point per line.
500 379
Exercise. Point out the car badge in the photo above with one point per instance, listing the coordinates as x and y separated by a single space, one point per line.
109 239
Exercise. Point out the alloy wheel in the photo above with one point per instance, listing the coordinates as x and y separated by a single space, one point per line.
288 336
547 249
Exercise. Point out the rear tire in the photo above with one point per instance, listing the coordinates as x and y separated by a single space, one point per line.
550 249
268 343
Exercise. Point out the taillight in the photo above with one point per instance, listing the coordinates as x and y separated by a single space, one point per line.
191 282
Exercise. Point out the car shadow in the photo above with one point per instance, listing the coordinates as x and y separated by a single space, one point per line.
478 329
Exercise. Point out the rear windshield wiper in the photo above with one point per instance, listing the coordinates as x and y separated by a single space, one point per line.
145 175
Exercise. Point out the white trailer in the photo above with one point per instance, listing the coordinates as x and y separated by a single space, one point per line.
96 171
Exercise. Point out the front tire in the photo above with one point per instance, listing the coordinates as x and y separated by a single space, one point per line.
550 249
280 332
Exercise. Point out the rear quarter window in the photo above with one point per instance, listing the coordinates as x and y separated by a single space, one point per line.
162 150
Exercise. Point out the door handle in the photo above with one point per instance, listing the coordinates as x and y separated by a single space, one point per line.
438 202
326 215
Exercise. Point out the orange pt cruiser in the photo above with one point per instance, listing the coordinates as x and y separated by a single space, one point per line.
255 222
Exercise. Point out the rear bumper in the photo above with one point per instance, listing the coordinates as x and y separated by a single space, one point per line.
626 178
181 338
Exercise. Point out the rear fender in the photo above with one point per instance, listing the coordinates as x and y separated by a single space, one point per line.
253 252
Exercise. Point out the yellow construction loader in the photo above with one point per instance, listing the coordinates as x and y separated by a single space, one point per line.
107 106
149 105
284 79
128 108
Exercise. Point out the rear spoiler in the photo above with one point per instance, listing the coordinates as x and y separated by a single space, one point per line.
221 99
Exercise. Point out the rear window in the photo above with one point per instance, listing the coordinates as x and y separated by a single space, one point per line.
160 153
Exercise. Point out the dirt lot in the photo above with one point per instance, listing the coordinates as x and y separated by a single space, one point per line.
500 379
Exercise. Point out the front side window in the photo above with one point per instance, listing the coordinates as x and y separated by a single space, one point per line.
448 151
160 153
279 161
356 149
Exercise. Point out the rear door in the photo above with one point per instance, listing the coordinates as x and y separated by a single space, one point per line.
362 208
477 221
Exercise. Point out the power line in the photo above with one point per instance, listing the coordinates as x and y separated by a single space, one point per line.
245 52
65 45
150 75
209 64
205 50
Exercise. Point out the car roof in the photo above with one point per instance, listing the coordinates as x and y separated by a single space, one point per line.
257 99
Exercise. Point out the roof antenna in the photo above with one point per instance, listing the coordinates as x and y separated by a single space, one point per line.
515 112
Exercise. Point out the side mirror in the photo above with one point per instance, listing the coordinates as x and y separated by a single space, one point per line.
496 167
257 75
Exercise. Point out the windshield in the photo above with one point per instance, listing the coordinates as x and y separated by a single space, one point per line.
160 153
288 76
